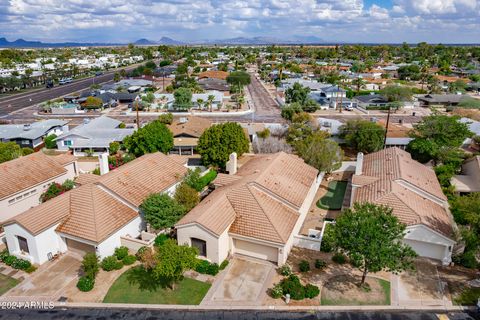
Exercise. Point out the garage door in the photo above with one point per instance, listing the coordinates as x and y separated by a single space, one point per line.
428 250
79 247
256 250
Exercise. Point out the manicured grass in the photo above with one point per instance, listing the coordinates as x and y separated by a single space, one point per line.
468 297
6 283
137 286
333 199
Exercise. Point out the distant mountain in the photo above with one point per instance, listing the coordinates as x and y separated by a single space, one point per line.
170 41
144 42
267 40
20 43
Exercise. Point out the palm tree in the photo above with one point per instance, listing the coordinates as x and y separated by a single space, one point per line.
200 103
210 100
240 101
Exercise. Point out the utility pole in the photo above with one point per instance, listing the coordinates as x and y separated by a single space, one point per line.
136 107
386 129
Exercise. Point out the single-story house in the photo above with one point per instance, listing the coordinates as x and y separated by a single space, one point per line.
256 211
31 135
93 137
208 84
186 132
391 177
213 74
469 179
24 179
371 100
445 100
96 216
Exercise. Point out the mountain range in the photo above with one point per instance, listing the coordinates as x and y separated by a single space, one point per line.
21 43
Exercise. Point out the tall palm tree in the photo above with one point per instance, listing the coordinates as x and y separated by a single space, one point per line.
200 103
210 100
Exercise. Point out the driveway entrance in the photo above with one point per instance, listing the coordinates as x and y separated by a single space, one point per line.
244 282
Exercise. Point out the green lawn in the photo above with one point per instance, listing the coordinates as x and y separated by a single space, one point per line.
137 286
6 283
333 199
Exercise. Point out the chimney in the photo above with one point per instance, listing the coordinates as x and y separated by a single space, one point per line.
231 165
359 166
103 161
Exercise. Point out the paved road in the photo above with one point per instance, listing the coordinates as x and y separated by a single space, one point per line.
103 314
19 101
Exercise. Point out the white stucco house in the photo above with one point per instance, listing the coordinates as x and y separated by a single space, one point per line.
391 177
94 216
256 211
24 179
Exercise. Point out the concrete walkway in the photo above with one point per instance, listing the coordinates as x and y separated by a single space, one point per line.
243 283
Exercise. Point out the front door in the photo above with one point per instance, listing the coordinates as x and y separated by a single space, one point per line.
201 245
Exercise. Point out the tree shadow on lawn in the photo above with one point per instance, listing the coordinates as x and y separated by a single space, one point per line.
145 279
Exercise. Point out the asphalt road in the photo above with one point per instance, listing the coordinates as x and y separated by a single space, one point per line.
19 101
104 314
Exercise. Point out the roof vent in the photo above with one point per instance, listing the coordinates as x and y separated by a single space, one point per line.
183 120
27 127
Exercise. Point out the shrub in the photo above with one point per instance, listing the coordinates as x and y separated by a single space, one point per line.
205 267
50 142
468 259
111 263
10 260
140 252
285 270
31 269
3 255
21 264
311 291
90 265
160 239
85 284
320 264
304 266
327 240
208 177
223 265
293 287
277 291
121 252
339 258
26 151
128 260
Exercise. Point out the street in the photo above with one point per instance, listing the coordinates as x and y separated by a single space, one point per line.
173 314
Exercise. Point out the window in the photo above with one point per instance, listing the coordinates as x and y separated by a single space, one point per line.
201 245
23 244
11 201
67 143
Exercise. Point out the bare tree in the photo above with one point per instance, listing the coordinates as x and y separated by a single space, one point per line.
271 144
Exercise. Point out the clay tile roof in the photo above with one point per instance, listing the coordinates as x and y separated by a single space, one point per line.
261 201
86 178
194 126
151 173
65 158
387 175
213 74
27 171
94 214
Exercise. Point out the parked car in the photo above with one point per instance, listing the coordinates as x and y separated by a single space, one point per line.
98 73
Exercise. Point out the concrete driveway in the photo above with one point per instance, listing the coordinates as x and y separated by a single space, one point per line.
48 282
244 282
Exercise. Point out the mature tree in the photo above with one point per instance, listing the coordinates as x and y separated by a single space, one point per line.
320 152
290 109
149 97
397 93
93 103
297 93
409 72
434 134
172 261
166 118
9 151
219 141
371 236
161 211
153 137
186 196
466 210
238 79
50 142
363 136
301 127
183 99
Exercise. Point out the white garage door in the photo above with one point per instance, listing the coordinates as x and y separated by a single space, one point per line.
79 247
256 250
425 249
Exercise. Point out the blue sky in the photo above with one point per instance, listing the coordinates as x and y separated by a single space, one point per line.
386 21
